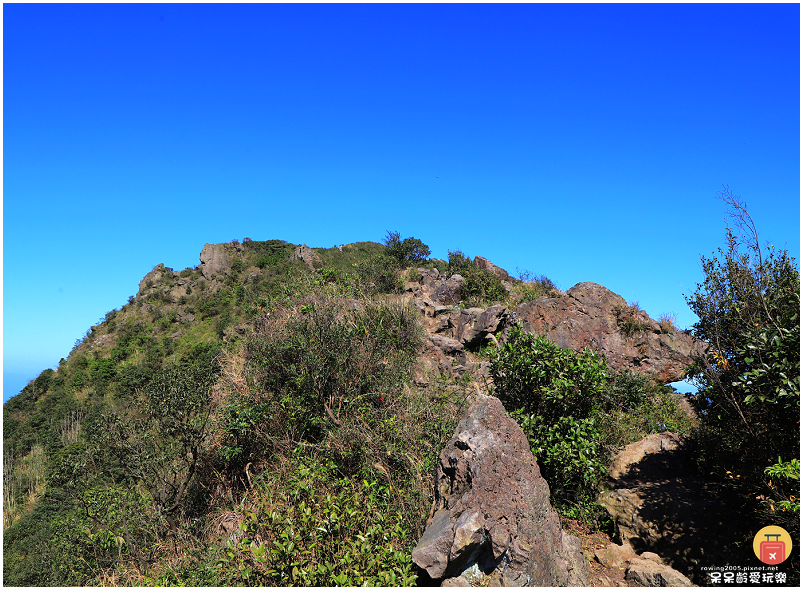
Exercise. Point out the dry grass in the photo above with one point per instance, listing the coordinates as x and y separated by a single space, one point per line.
667 323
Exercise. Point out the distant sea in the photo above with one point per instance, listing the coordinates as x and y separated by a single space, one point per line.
14 382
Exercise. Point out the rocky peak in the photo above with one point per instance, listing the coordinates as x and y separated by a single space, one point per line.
158 274
214 260
588 315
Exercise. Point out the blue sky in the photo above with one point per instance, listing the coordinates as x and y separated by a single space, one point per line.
583 142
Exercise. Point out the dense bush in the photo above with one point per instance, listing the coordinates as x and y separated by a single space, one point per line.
480 285
748 398
555 394
576 412
320 368
405 252
311 528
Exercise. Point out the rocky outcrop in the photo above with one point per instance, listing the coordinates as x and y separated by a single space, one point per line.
159 274
587 316
307 255
661 505
651 572
500 273
493 523
214 260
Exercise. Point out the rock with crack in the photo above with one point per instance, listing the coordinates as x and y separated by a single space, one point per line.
493 523
214 260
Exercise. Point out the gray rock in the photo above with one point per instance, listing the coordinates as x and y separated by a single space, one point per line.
447 292
650 573
308 256
156 275
492 510
214 260
432 553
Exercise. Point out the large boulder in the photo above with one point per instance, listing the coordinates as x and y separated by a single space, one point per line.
500 273
493 523
662 505
214 260
588 316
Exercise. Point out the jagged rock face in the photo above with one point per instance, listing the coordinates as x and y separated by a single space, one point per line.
214 260
308 256
154 276
585 317
500 273
493 523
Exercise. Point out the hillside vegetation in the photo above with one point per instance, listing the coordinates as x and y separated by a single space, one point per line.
263 426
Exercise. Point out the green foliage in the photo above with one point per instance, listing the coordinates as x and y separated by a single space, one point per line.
319 369
533 286
268 253
577 413
533 373
480 285
378 274
114 524
407 251
320 531
555 396
748 397
569 453
749 382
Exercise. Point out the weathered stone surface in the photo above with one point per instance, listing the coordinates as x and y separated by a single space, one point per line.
585 316
214 260
447 292
432 553
651 573
614 556
497 508
308 256
494 269
661 505
450 347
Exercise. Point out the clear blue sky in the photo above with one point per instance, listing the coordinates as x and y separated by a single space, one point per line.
583 142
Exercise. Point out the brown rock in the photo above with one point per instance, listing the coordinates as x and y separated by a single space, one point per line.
495 270
586 316
613 555
650 573
493 509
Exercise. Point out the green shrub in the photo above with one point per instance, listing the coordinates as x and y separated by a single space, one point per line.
406 252
317 530
378 274
531 287
480 286
318 370
630 319
555 395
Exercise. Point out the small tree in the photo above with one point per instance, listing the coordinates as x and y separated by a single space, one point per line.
749 381
407 251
